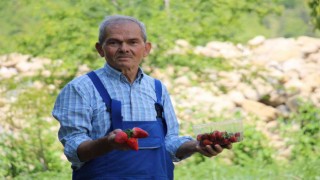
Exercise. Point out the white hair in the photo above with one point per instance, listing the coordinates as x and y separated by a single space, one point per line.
116 18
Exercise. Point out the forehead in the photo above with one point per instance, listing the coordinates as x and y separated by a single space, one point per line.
123 29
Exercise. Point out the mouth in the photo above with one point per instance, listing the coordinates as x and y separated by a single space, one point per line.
123 57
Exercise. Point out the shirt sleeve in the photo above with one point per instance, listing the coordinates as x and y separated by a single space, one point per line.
73 112
173 141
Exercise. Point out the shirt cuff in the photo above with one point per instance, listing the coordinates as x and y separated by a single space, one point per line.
70 150
174 145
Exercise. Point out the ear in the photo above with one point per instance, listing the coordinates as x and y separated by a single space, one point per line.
99 49
147 47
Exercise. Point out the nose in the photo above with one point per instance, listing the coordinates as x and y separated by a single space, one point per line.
124 47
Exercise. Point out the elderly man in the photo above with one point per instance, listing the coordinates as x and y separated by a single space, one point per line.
94 107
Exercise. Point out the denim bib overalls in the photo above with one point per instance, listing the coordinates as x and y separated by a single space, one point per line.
151 161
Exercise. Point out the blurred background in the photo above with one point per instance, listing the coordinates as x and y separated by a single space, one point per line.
257 60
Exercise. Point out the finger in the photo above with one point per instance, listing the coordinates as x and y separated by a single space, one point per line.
218 148
229 146
116 130
211 150
112 134
203 152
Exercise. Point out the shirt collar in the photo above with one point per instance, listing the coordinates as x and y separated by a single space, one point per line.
111 72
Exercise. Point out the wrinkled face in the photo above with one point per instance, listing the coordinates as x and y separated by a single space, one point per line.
124 47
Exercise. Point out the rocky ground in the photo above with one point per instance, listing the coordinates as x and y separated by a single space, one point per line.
269 78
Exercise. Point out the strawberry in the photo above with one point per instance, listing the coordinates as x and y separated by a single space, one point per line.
237 134
121 137
212 137
130 136
233 139
222 138
218 135
199 137
139 133
225 142
205 136
133 143
206 142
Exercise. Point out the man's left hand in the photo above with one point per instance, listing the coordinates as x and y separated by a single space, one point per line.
210 151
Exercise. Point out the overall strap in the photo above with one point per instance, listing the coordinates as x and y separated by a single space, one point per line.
113 106
101 89
158 104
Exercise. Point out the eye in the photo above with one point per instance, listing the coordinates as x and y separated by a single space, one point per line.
134 42
112 43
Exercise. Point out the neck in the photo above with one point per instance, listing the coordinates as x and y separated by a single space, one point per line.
130 74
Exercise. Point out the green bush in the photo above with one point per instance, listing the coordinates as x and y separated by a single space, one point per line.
31 144
253 157
314 6
254 148
68 30
305 141
29 147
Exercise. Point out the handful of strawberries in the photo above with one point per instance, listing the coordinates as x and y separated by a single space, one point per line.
130 136
217 137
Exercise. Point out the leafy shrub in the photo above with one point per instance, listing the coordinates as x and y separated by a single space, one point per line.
68 30
314 6
31 144
306 139
254 148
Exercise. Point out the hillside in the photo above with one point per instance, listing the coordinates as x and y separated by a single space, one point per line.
268 80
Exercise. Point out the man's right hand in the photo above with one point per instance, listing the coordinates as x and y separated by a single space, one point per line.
111 141
94 148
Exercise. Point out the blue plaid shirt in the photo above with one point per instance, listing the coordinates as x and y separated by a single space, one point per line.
82 113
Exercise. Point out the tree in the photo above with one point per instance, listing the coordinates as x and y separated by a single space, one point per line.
315 12
68 29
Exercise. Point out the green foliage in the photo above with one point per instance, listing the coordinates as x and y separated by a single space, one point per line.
293 21
47 175
215 168
68 30
305 141
304 169
253 148
30 147
315 12
31 144
250 153
253 157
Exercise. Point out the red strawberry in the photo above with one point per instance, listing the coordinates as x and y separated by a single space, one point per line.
237 134
212 137
206 142
233 139
133 143
218 135
205 136
139 133
121 137
199 137
225 142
